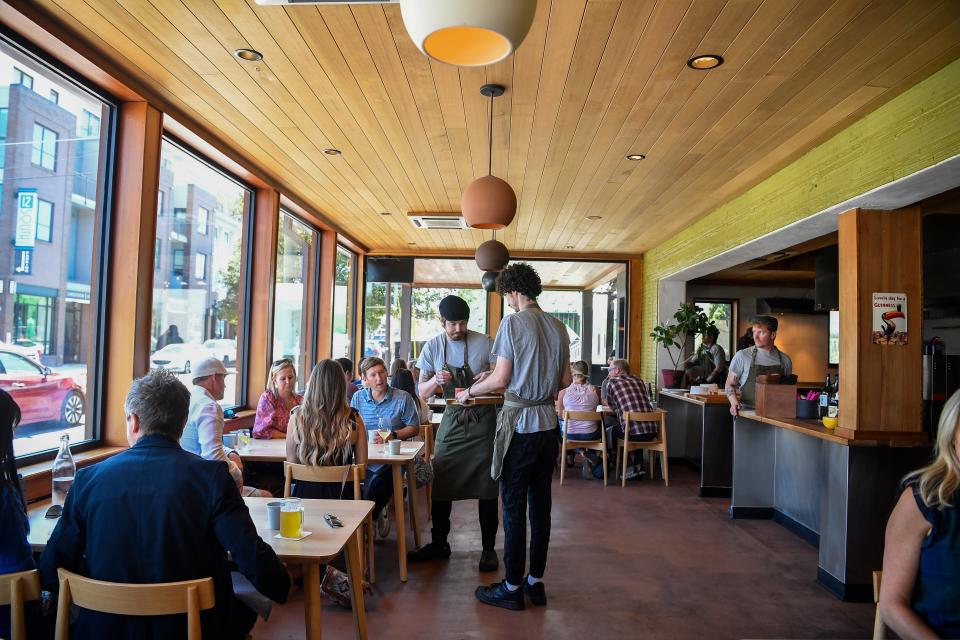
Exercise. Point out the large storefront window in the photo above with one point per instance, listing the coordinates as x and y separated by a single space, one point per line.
343 304
48 262
196 314
425 315
290 311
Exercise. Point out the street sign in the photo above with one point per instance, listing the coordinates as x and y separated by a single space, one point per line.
26 232
23 262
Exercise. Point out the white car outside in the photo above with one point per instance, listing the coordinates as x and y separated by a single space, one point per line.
222 348
179 357
28 352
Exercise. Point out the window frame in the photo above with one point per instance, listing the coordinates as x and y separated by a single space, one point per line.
23 74
104 213
56 137
200 265
246 264
351 301
310 340
734 303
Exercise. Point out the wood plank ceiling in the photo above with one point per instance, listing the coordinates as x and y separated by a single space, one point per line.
593 81
434 272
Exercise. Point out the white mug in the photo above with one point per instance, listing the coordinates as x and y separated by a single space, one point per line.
372 436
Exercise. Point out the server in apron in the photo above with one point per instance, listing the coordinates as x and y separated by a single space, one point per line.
763 358
455 359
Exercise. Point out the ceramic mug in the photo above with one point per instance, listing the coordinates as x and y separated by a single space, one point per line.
394 447
273 515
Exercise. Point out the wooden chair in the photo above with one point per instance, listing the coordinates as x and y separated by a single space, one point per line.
658 445
426 432
161 599
15 589
355 473
592 445
879 629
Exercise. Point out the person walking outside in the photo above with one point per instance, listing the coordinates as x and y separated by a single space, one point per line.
533 364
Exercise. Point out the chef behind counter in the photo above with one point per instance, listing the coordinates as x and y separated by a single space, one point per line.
763 358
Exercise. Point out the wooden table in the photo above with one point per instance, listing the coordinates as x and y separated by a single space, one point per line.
321 545
273 450
377 454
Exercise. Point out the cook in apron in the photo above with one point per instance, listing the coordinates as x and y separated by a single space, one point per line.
748 388
464 445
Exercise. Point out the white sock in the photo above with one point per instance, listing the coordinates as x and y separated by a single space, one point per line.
532 581
511 587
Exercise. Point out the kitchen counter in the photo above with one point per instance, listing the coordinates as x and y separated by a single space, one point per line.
700 432
813 428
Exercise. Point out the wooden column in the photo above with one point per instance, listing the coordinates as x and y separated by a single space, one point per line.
132 232
263 275
634 335
328 267
494 313
880 384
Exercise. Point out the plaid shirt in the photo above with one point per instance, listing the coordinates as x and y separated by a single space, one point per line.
628 393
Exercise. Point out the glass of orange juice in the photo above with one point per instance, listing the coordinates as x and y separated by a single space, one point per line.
291 518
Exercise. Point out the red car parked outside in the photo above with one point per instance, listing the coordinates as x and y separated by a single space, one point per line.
42 394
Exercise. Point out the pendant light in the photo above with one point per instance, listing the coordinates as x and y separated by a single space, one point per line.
489 202
467 33
492 255
489 281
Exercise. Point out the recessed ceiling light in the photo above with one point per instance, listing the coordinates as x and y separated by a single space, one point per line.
594 217
636 156
248 55
411 243
330 151
569 246
705 62
385 213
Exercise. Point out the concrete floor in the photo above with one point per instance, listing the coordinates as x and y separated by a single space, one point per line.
644 561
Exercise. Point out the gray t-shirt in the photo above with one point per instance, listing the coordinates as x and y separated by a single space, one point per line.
717 355
539 347
741 361
478 351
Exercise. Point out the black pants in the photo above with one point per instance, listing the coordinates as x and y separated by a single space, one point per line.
526 477
378 487
489 514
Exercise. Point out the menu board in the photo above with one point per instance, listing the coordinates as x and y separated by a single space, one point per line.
890 318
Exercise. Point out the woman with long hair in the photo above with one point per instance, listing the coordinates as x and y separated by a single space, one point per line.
15 554
276 403
324 431
920 592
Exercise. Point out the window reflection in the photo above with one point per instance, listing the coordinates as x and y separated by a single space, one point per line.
343 303
197 273
291 314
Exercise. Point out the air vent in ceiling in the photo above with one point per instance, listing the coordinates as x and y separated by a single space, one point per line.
437 220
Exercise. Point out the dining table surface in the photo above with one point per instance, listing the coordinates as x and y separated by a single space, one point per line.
322 544
272 450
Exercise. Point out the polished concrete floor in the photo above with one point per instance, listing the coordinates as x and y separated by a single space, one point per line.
641 561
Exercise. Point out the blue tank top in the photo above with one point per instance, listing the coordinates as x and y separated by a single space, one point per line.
936 596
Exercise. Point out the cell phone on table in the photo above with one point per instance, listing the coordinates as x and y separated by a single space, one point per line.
54 511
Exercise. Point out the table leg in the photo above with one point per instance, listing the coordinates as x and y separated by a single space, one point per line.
355 566
401 519
412 482
311 599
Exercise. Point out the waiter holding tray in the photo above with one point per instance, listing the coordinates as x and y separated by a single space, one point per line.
455 359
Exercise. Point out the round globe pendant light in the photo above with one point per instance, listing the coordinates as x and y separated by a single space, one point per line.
489 281
489 202
492 256
468 33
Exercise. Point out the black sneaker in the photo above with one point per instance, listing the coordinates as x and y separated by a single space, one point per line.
489 560
497 595
431 551
537 593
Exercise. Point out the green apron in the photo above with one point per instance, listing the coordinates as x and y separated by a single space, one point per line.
748 388
464 445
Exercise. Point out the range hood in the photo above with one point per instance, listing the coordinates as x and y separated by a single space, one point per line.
785 305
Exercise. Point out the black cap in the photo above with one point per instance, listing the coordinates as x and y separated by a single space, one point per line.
768 321
454 309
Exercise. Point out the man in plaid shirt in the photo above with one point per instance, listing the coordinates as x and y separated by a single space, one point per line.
628 393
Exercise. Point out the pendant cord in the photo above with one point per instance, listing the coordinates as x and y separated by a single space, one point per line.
490 140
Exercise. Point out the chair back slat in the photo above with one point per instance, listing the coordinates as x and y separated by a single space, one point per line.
29 586
160 599
879 628
310 473
593 416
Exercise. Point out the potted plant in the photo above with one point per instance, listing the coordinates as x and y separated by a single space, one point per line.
688 320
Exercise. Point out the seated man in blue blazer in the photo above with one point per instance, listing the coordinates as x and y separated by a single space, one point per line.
157 513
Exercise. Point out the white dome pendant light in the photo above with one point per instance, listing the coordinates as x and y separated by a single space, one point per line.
468 33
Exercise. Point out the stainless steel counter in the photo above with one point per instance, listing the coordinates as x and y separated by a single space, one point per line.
701 432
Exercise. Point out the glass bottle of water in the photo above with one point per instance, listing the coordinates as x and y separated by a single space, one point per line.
64 470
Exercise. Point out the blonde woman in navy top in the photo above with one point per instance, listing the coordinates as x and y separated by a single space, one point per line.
920 593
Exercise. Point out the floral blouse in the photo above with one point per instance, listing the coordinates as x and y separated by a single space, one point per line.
271 415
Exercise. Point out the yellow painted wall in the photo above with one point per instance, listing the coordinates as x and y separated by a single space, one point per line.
915 130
